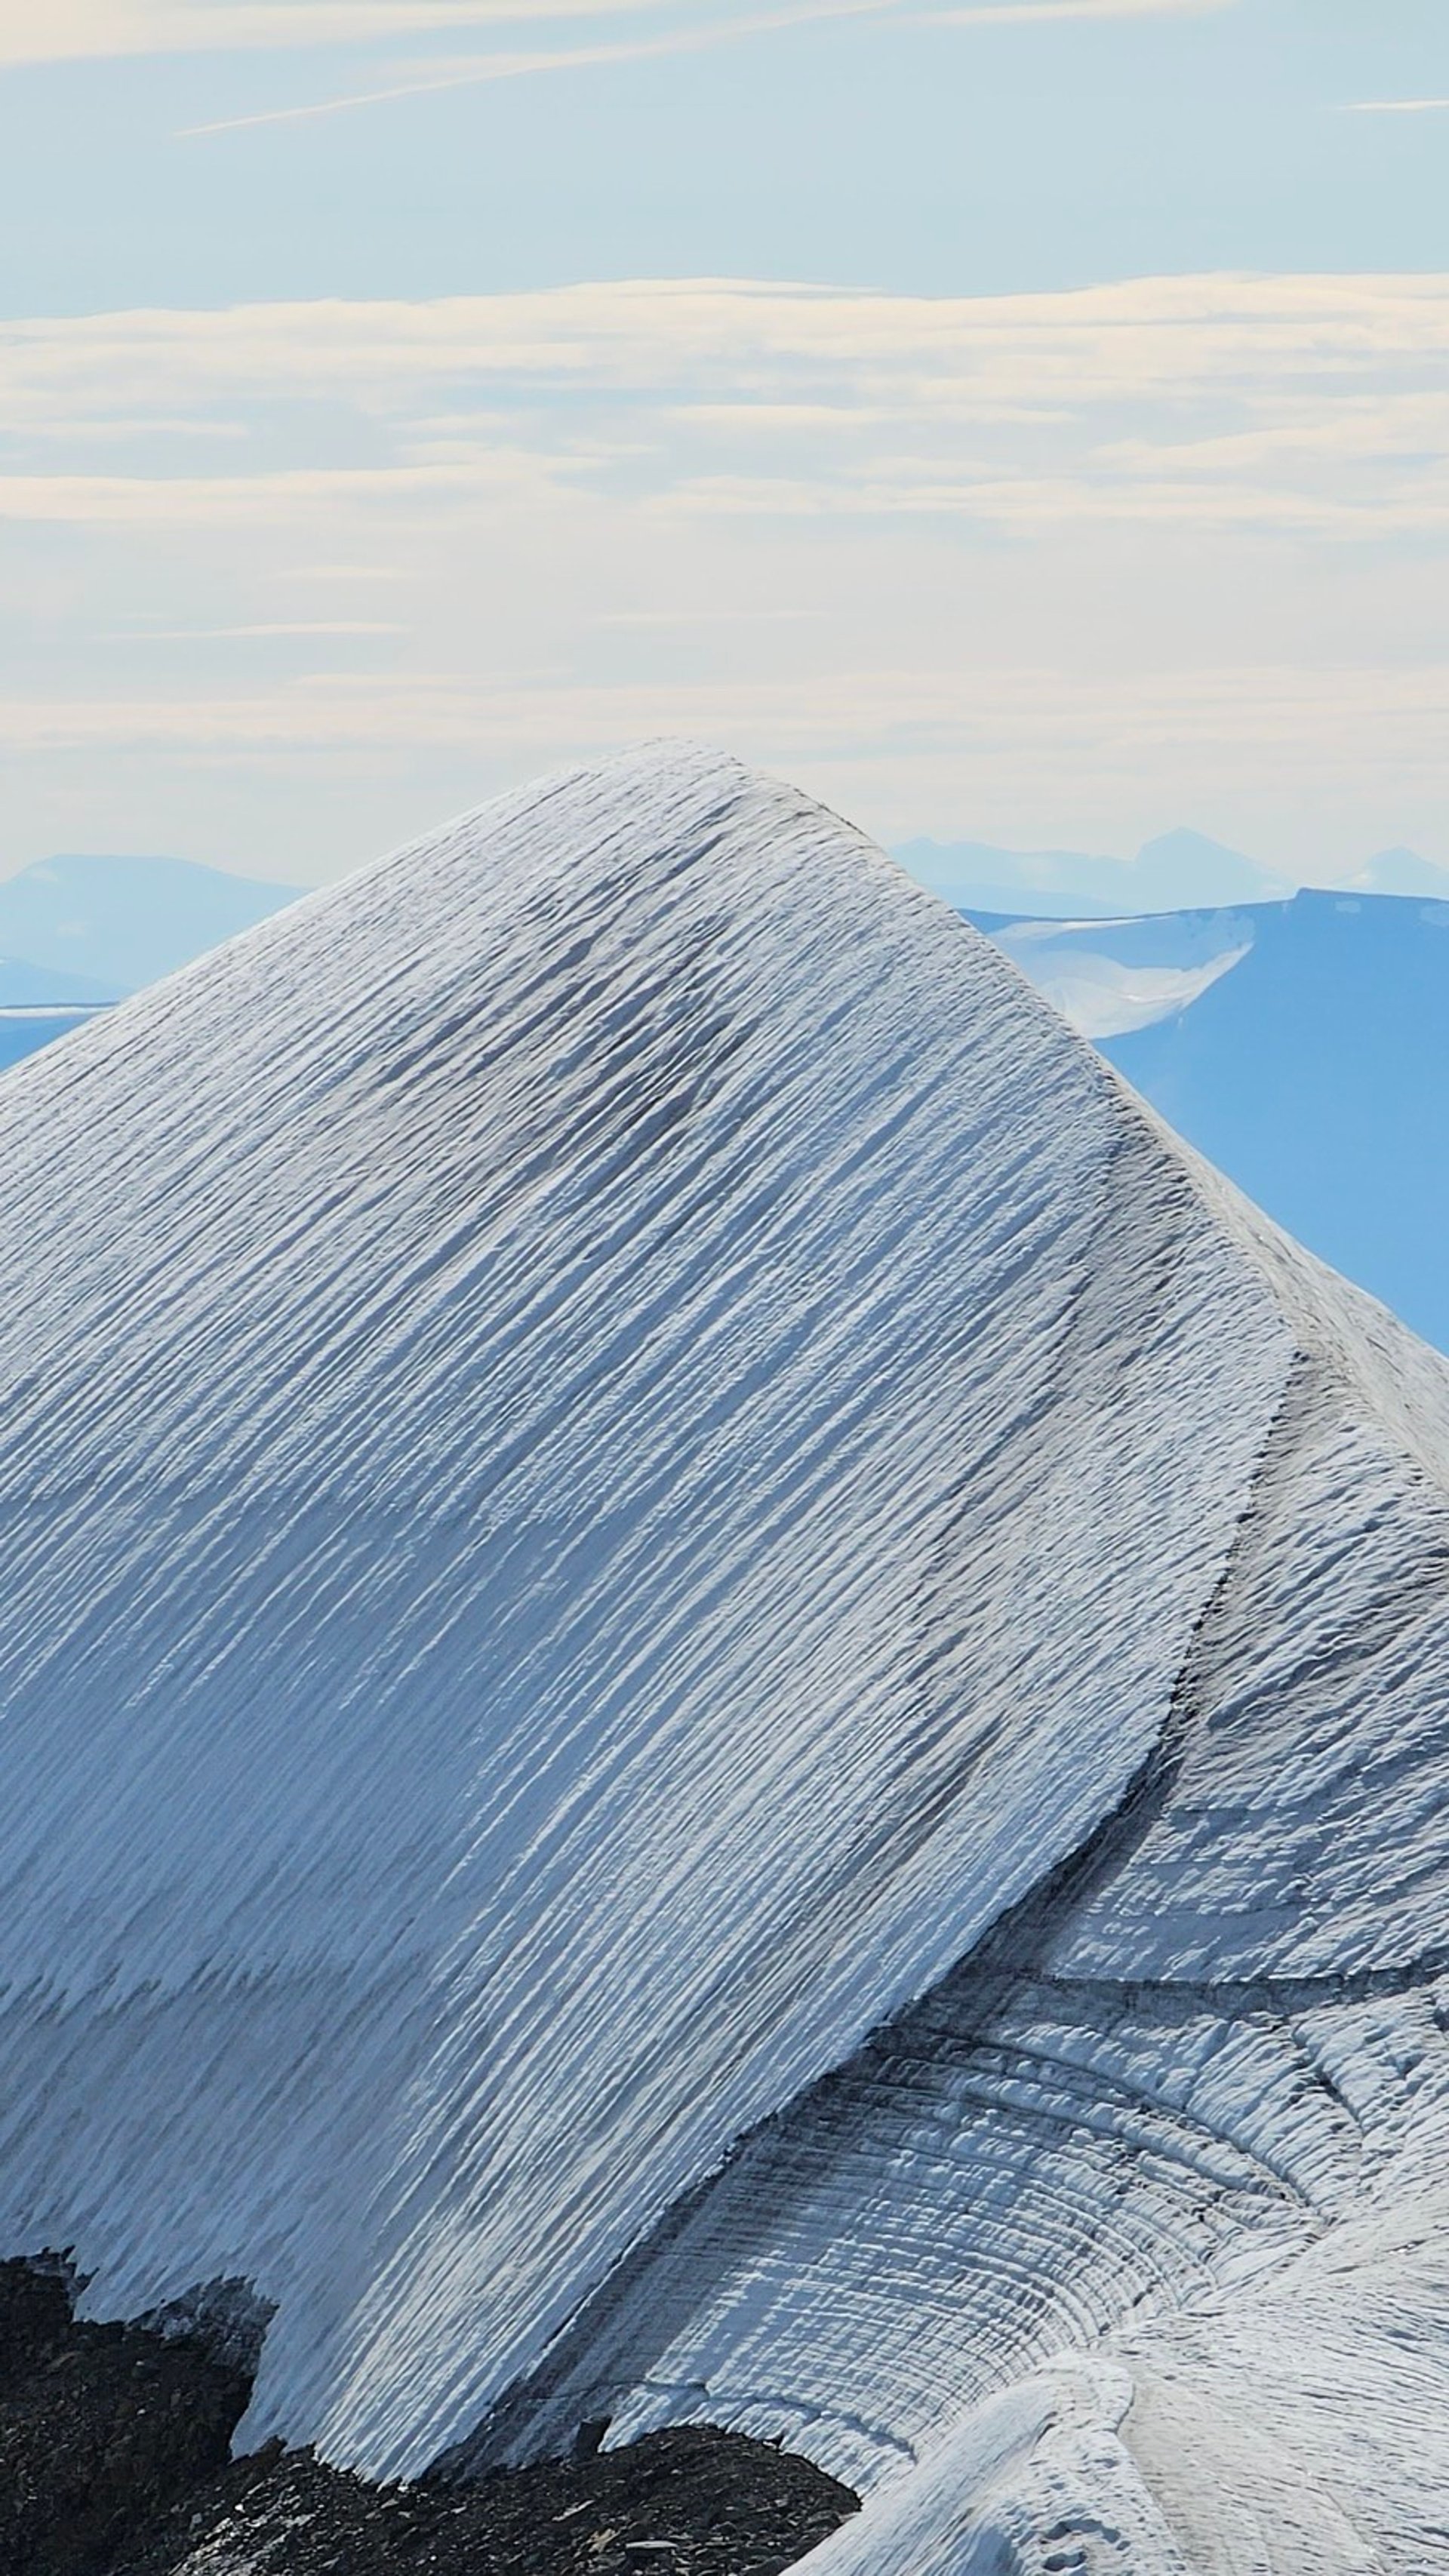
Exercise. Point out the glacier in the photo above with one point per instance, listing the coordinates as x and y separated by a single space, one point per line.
724 1701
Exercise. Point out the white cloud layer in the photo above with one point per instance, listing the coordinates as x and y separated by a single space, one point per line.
1313 403
289 581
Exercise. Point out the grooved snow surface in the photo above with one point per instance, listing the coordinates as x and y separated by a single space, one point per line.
722 1701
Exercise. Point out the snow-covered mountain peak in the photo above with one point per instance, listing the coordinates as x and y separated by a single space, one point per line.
680 1615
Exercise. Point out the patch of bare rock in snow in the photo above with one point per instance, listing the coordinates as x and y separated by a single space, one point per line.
724 1707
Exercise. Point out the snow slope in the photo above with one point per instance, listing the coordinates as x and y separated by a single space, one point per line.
721 1700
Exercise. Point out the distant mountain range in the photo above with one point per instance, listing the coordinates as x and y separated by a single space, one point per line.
92 929
1301 1046
1178 871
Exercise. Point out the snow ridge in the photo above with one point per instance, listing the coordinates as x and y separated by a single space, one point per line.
724 1700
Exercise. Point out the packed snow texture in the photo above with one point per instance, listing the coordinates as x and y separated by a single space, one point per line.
722 1701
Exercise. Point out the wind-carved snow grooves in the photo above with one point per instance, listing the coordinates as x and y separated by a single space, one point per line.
615 1446
966 2165
1041 1471
1032 2157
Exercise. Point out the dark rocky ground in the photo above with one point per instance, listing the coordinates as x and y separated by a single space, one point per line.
115 2461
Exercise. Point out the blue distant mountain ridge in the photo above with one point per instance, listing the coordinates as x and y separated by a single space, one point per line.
1176 870
26 986
92 929
1179 871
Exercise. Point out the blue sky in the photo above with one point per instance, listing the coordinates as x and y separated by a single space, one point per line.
1020 422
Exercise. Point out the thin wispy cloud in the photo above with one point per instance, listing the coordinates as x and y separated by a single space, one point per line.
481 71
1396 107
76 30
260 633
485 69
992 13
653 620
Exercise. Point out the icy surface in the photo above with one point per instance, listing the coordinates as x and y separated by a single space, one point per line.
721 1701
